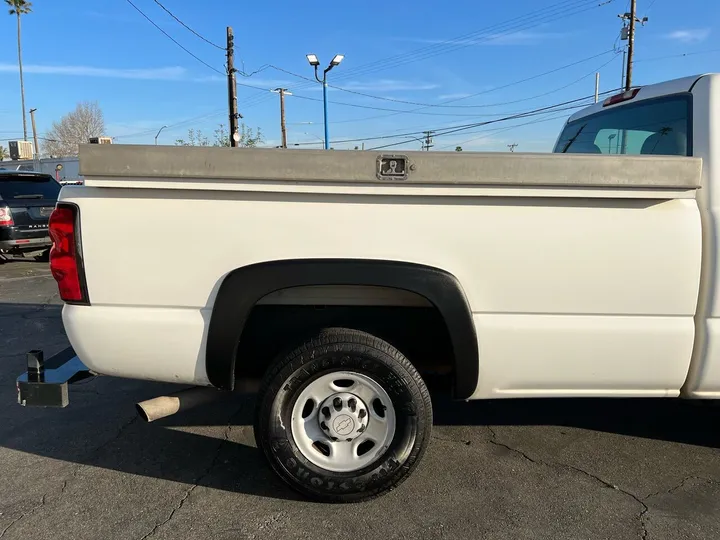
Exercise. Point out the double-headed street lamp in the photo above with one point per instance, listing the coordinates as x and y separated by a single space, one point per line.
314 62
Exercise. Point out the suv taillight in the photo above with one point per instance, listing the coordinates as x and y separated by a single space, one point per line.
6 219
65 255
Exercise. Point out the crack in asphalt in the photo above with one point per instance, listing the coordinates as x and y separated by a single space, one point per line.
682 484
199 479
23 515
641 516
494 441
93 455
74 475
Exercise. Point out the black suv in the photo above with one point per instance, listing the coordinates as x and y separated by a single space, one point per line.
26 201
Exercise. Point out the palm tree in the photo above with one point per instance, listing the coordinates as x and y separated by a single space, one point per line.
20 7
3 153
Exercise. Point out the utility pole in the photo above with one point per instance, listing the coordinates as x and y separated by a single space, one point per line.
232 90
427 144
512 146
631 46
283 92
628 33
32 120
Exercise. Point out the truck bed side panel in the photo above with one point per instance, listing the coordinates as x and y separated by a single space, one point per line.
570 296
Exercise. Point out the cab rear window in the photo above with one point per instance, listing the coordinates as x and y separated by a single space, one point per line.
28 187
653 127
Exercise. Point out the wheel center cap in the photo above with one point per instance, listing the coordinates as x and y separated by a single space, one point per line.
343 424
343 416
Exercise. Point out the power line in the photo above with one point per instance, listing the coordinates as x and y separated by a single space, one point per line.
180 123
464 40
647 9
188 28
677 55
174 40
487 132
240 71
527 79
535 112
444 104
543 110
558 89
396 112
171 126
554 12
454 129
535 18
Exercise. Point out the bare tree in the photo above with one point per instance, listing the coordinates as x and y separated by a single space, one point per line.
194 138
19 8
248 137
74 128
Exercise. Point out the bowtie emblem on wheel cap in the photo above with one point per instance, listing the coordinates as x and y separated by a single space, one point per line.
343 416
343 425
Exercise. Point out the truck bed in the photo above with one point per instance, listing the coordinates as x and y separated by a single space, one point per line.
593 260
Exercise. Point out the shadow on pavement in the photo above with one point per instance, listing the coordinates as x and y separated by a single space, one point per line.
672 420
100 428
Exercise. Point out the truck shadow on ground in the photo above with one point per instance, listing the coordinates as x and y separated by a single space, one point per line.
213 446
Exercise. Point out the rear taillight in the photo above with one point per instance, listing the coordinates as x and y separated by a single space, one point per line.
65 256
6 218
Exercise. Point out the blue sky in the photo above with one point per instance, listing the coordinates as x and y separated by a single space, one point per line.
414 51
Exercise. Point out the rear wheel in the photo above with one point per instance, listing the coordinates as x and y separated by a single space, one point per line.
344 417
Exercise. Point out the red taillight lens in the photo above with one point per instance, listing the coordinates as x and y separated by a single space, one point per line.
6 218
64 256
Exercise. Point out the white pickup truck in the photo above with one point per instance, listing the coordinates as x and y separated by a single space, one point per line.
339 279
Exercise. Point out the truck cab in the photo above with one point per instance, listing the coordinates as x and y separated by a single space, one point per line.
680 117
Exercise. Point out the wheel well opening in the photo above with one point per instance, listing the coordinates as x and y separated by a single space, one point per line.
416 328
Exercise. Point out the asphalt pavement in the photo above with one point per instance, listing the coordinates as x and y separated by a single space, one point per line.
544 469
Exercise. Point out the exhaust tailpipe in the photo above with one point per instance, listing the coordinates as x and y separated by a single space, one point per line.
162 406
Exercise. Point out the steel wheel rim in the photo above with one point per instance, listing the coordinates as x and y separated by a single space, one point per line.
332 432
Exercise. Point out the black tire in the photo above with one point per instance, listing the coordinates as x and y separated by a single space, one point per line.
44 256
339 349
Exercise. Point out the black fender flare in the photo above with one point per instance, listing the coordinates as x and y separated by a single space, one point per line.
244 287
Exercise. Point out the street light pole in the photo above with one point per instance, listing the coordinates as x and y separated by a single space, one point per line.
158 134
325 112
35 139
314 62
